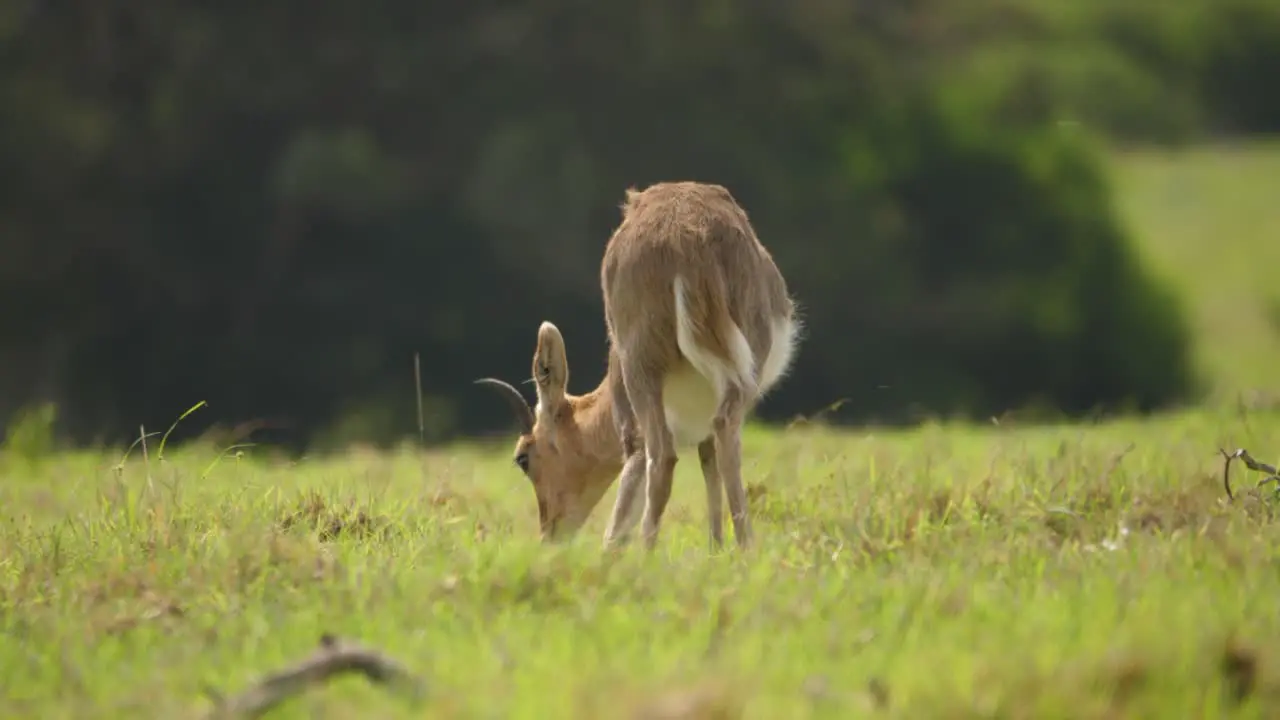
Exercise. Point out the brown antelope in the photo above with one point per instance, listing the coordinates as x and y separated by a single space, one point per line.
700 326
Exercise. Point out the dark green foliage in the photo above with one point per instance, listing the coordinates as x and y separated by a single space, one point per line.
1240 63
272 208
994 276
1145 70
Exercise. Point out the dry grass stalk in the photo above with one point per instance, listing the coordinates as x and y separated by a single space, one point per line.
333 659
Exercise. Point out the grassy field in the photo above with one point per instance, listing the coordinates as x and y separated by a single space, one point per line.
948 571
942 572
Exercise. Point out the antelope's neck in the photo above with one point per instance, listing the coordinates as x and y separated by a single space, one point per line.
599 450
599 433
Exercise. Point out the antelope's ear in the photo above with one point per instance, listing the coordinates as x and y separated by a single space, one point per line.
550 368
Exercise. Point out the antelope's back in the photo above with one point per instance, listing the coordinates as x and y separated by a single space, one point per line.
691 229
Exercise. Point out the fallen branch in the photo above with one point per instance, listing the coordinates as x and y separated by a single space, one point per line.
1273 475
331 660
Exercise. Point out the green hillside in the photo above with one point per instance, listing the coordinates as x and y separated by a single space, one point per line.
1209 220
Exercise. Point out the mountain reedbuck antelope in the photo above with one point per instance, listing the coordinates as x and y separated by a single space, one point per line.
700 327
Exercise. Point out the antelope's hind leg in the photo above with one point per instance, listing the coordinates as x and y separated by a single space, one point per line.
715 491
645 396
728 451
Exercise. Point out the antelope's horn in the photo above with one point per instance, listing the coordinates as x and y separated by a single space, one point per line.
521 409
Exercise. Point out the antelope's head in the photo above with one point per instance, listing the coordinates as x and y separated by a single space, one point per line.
568 447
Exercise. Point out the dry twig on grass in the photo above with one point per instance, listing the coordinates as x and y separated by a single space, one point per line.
1272 474
334 658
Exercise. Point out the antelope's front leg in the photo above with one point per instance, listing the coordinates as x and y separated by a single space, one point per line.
625 510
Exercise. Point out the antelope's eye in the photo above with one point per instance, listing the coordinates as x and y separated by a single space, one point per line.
522 461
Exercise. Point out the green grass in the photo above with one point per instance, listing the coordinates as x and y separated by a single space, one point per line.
940 572
1208 220
948 571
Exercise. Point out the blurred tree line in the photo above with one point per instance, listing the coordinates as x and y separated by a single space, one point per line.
271 207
